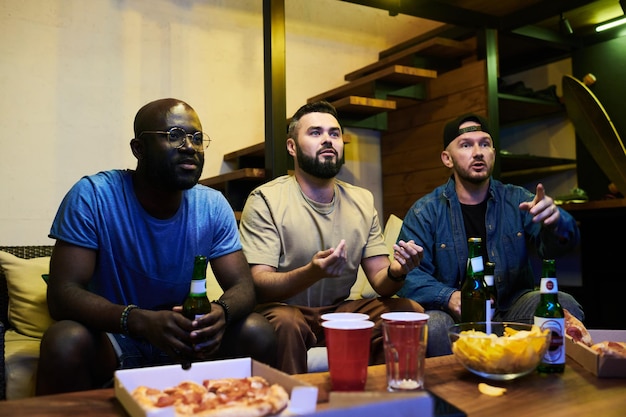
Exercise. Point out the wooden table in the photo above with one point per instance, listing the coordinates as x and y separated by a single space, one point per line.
576 392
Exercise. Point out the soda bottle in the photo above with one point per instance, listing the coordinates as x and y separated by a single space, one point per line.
549 315
197 304
473 294
490 287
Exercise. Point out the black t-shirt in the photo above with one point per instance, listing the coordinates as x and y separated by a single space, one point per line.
474 220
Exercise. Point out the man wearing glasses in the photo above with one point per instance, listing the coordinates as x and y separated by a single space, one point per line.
123 259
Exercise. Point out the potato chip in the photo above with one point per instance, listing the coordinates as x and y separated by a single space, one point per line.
490 390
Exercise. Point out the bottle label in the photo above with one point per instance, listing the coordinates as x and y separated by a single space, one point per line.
477 264
556 351
198 287
549 286
489 280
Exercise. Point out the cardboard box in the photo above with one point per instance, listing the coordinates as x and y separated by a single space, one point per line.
170 375
603 367
303 397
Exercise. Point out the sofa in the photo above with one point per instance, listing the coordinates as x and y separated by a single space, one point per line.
24 313
23 316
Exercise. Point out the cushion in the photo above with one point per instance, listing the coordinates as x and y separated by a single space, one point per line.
28 306
362 288
21 358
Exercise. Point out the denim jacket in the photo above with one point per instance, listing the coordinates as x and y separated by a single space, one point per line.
435 222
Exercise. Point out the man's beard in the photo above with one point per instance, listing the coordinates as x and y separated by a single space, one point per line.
472 177
313 166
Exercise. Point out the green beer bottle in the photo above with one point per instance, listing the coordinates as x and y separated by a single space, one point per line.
549 315
197 304
473 294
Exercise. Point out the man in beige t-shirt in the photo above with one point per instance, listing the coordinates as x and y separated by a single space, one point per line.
305 237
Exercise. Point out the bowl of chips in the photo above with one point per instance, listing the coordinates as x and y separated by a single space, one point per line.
499 350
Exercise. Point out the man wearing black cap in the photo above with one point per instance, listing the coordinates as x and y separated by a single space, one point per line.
505 216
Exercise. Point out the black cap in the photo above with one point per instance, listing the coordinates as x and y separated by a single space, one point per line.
452 131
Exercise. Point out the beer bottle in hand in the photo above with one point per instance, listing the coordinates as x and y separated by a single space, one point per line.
473 294
197 304
490 287
549 315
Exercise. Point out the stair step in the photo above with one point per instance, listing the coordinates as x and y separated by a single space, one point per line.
219 182
257 150
435 47
393 77
363 105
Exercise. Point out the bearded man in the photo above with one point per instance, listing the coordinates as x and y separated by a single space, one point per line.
507 217
305 236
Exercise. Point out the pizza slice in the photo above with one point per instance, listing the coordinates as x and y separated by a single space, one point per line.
576 329
607 348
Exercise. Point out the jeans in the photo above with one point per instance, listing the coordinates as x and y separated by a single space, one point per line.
522 311
133 353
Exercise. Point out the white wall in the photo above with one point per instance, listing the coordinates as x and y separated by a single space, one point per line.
74 73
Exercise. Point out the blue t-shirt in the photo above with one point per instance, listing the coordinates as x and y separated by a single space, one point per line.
143 260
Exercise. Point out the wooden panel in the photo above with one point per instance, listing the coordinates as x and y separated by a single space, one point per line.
416 157
444 108
397 75
435 47
471 75
417 181
418 137
401 191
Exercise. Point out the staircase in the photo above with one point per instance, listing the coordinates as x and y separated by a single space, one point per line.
397 80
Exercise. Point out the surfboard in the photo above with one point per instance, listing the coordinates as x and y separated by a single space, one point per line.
595 129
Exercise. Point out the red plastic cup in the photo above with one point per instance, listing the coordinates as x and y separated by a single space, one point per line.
404 340
348 348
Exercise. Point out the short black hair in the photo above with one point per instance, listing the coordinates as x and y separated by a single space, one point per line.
316 107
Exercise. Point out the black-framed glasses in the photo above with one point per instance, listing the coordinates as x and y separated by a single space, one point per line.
177 138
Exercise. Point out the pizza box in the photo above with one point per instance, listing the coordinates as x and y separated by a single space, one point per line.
126 380
603 367
303 397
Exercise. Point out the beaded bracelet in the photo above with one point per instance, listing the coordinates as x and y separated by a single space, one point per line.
395 279
225 307
124 317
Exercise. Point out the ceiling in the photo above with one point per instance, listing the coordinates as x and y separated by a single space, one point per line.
508 15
